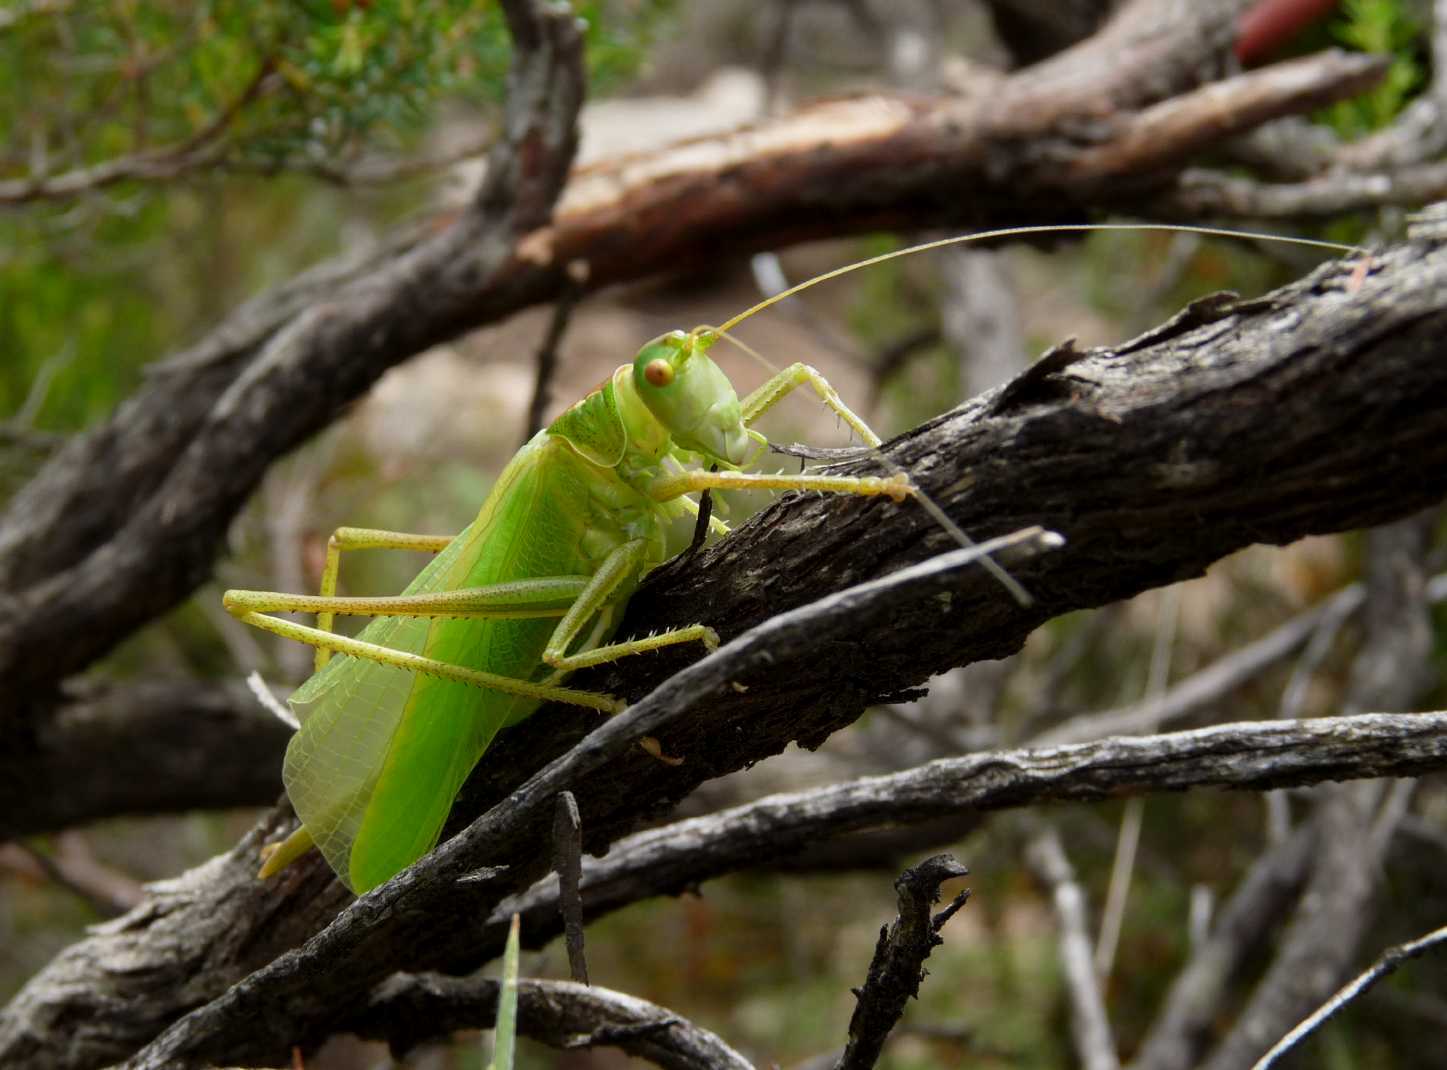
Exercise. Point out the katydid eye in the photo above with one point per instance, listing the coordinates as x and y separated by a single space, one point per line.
658 372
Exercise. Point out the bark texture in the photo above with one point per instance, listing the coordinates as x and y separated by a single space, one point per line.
1317 408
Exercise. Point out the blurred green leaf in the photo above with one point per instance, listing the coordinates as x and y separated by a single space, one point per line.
92 286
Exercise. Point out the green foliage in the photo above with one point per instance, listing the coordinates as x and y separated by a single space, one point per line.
1385 27
96 283
265 86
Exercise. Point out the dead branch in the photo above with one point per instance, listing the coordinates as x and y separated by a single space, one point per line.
897 968
409 1009
1181 1031
416 920
1155 458
138 748
1355 822
1384 966
1334 193
1215 683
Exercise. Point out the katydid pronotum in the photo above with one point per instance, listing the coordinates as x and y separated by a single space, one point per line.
531 590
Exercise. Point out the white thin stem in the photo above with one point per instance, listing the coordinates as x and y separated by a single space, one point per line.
1388 963
1128 839
1090 1025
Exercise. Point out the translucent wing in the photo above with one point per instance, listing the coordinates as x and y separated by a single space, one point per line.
349 713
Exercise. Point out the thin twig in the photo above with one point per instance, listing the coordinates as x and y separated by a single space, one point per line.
379 171
1203 986
108 893
411 1008
1201 192
1167 617
40 386
1355 821
1112 915
1215 682
700 526
1386 964
547 358
893 356
568 861
202 148
1094 1041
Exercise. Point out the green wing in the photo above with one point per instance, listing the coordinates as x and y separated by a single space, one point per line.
382 753
532 530
349 712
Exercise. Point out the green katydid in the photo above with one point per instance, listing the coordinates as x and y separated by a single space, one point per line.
528 592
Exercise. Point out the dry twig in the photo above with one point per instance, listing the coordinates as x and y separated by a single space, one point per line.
1089 1024
409 1009
897 968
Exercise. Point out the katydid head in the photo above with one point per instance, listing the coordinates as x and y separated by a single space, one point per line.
691 396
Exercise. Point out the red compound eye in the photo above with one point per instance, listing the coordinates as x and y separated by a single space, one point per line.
658 372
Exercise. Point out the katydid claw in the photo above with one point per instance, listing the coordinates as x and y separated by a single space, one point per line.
899 487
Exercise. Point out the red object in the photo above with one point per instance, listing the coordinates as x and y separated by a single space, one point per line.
1267 25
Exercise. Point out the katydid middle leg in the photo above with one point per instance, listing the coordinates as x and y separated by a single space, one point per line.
575 599
618 568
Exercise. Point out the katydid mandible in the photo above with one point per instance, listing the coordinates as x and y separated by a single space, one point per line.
531 590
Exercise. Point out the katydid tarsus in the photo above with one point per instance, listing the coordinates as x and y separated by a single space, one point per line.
531 590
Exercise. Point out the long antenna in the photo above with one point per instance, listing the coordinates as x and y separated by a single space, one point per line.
1050 228
930 506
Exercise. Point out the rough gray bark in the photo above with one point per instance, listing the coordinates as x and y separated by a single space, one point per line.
112 749
1317 408
410 1009
421 914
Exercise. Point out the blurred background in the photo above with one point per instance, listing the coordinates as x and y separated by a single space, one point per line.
388 109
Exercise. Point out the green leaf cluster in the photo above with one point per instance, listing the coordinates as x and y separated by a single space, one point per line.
286 83
93 285
1384 27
